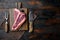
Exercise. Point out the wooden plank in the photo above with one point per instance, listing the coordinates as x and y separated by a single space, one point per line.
5 5
14 0
8 5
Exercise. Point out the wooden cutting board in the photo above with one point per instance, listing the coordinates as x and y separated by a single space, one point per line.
11 17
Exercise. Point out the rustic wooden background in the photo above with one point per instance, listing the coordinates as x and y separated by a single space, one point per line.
46 25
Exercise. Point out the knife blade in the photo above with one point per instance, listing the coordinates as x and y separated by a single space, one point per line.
31 20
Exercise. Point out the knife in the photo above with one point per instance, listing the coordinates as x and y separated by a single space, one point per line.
6 22
31 20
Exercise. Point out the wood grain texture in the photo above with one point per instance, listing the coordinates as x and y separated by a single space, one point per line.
45 32
8 5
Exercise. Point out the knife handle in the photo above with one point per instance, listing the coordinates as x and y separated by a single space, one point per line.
6 26
30 26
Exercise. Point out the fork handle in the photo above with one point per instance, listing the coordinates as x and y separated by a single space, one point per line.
6 26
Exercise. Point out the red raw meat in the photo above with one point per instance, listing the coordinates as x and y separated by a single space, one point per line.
19 18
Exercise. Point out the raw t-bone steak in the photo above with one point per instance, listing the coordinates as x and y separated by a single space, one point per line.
19 19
